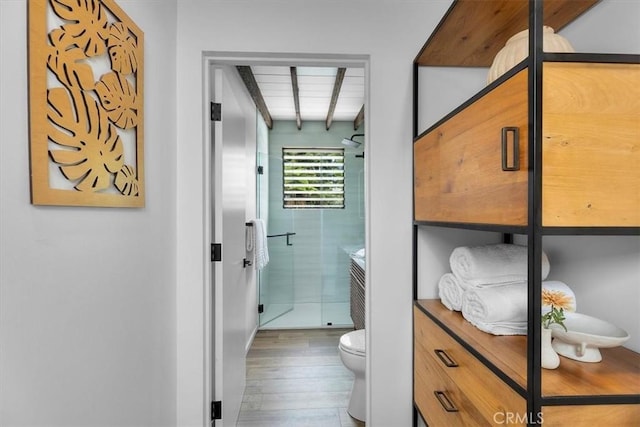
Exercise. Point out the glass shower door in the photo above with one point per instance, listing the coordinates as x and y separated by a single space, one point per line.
275 281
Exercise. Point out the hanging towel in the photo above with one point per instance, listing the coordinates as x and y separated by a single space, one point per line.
450 290
489 265
250 237
502 310
259 243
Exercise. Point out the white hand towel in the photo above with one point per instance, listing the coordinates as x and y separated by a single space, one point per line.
250 237
496 264
502 310
261 250
450 290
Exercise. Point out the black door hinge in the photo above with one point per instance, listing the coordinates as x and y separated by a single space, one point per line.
260 170
260 308
216 410
216 252
216 112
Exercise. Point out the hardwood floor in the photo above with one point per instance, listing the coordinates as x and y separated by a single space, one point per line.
295 378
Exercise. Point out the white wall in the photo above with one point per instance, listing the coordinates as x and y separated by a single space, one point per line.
391 32
87 295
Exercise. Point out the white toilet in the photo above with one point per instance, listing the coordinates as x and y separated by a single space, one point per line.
352 353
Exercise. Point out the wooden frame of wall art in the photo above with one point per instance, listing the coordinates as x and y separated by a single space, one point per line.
86 119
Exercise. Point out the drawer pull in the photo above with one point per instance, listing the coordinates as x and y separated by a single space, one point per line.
445 402
515 148
446 359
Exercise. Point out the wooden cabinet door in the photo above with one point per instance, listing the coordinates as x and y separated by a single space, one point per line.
458 167
591 145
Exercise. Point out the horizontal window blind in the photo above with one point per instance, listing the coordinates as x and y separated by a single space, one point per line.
313 178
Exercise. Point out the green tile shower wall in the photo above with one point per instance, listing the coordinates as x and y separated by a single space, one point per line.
321 266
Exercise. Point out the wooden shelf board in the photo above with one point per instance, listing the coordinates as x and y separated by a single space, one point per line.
472 32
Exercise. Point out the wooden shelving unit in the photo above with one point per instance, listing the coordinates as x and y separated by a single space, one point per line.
617 374
561 188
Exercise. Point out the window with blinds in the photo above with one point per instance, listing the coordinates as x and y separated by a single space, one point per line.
313 178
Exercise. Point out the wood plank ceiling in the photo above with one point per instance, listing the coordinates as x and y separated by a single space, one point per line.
306 93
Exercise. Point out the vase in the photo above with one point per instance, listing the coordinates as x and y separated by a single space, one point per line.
516 49
549 359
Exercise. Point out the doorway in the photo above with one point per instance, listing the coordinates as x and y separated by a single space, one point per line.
225 338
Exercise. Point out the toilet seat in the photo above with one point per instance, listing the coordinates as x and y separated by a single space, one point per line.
353 343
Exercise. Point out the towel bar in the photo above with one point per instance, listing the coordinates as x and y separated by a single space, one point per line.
289 234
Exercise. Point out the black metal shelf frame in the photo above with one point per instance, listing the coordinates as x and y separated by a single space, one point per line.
535 230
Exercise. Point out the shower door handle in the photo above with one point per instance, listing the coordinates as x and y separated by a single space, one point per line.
288 234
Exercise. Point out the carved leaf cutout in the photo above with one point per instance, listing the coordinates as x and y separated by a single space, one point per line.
122 49
64 61
93 149
118 98
89 27
126 181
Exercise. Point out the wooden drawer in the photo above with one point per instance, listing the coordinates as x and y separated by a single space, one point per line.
478 393
458 164
440 401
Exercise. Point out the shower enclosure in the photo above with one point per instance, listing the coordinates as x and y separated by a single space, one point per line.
306 282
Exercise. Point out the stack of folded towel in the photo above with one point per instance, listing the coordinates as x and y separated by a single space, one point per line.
488 284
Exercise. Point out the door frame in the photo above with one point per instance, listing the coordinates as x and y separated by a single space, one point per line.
211 59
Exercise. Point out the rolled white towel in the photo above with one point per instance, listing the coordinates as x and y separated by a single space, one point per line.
506 303
502 310
502 328
496 264
450 291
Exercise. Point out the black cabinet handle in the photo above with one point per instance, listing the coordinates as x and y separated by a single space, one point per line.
446 359
445 401
510 134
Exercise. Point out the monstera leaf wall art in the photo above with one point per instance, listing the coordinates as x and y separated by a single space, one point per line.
86 104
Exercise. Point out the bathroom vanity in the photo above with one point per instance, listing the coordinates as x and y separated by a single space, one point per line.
357 290
550 148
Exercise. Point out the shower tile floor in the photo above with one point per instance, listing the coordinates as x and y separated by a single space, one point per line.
309 315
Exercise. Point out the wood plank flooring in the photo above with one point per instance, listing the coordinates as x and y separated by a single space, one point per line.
296 378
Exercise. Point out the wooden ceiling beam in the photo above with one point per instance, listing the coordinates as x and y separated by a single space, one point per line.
334 96
359 119
296 95
252 86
